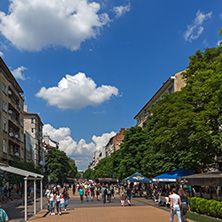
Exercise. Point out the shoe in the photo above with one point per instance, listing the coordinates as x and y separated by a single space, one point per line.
60 213
65 209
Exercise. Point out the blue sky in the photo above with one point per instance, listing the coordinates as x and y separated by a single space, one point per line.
88 67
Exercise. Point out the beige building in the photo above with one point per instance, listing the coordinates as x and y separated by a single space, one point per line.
33 125
173 84
11 117
114 143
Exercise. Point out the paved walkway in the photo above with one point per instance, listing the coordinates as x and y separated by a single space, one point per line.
141 210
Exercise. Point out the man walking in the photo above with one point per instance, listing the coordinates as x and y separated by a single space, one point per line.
175 204
104 192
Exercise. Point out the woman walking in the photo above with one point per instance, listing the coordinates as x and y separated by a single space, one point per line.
97 192
58 203
122 196
87 194
52 202
66 197
185 205
81 192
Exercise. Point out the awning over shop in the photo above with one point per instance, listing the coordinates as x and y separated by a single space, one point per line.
171 176
202 179
137 177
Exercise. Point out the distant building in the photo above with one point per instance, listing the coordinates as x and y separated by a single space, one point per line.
49 144
96 158
33 125
11 117
173 84
114 143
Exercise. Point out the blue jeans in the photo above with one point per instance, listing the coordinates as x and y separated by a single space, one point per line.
177 212
104 198
52 205
58 206
65 203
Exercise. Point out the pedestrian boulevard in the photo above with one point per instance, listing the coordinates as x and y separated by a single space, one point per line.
141 210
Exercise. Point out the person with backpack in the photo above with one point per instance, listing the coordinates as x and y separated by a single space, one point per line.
103 192
128 194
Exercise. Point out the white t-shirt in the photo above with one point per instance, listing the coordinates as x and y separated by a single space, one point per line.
47 193
57 198
51 197
175 198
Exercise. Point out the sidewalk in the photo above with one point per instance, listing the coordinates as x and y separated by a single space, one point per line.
141 210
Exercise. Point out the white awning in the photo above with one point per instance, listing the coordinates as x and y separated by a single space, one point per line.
20 172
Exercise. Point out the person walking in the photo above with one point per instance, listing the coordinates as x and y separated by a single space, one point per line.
109 195
52 202
58 203
66 197
103 192
185 205
92 190
87 194
97 192
3 215
128 194
175 204
81 192
122 196
74 188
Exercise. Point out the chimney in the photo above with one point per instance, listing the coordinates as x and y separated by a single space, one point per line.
25 108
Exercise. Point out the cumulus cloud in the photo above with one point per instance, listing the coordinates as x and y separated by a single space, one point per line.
18 73
37 24
1 54
81 151
121 10
219 42
76 92
196 29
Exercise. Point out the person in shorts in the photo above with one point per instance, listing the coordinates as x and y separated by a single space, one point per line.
128 194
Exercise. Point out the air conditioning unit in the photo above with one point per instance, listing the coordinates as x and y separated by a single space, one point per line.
16 136
10 111
9 92
11 134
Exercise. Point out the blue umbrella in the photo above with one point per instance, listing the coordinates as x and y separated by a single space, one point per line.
137 177
172 175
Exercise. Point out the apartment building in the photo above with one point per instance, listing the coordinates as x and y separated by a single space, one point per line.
96 158
173 84
115 142
33 125
11 117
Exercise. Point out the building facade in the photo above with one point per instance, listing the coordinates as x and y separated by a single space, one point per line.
29 148
33 125
114 143
97 156
173 84
11 117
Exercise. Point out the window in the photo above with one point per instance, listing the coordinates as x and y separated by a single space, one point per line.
4 106
4 146
33 130
4 88
22 137
5 124
32 120
22 153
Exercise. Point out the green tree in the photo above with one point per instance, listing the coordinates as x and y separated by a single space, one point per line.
88 174
59 166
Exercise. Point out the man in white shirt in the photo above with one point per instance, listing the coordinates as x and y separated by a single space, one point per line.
175 204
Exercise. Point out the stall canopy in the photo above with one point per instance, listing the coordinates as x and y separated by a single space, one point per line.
172 176
202 179
137 177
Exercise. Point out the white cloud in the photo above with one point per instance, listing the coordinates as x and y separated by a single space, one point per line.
18 73
219 42
121 10
195 29
37 24
81 151
1 54
76 92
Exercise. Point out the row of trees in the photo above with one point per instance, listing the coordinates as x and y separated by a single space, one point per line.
184 129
